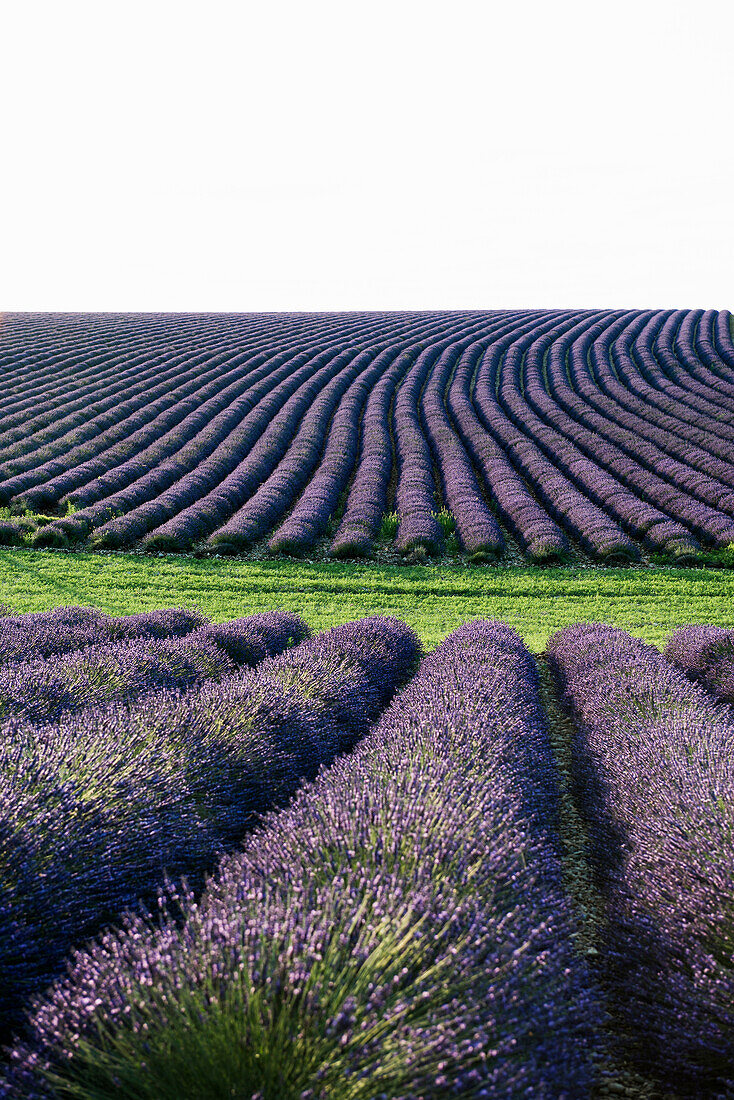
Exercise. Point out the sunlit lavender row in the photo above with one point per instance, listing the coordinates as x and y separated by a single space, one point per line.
606 433
42 689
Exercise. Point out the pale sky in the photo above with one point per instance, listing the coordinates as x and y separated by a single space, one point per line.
319 155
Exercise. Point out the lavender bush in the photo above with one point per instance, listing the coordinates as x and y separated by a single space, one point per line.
47 633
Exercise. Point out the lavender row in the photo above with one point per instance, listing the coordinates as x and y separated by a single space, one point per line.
653 767
269 503
416 495
540 537
320 499
42 690
687 350
212 431
53 357
64 411
720 329
416 500
98 807
220 377
476 527
400 931
94 409
199 504
48 633
638 369
284 482
676 420
606 426
683 466
367 499
693 370
706 654
38 460
125 358
662 436
261 487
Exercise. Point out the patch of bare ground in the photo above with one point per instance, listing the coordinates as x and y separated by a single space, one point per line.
617 1078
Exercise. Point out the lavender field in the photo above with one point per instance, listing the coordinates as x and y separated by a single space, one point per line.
542 434
244 860
269 853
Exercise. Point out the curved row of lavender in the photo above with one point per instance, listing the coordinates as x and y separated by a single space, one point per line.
655 772
41 690
401 930
706 654
608 430
96 807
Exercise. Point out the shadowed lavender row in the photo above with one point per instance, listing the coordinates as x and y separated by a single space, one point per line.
42 690
400 931
653 765
95 809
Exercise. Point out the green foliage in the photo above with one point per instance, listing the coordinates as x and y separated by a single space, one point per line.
434 599
25 523
723 557
446 522
389 527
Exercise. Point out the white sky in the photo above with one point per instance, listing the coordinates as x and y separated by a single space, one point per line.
321 155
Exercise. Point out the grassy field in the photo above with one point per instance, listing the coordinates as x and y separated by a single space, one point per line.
649 602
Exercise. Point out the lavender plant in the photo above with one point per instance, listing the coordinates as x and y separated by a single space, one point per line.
611 427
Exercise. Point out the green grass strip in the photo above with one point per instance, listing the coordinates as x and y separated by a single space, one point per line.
434 599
